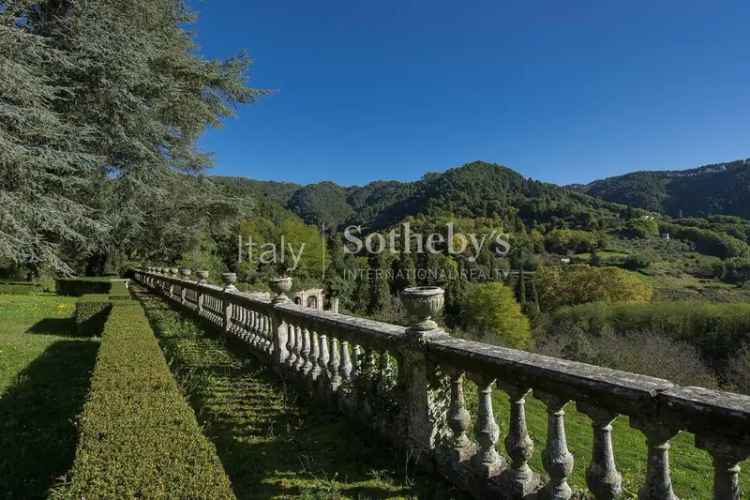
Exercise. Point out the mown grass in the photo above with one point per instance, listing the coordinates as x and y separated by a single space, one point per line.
44 379
273 443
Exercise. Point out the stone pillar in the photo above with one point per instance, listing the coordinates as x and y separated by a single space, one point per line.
202 280
279 328
229 280
185 273
424 407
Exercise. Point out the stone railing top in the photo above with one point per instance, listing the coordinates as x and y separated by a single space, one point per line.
695 409
698 408
351 325
613 389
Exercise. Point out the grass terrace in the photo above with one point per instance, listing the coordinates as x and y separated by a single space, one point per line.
44 378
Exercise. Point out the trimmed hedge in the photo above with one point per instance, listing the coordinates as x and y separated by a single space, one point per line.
138 436
20 287
91 314
83 286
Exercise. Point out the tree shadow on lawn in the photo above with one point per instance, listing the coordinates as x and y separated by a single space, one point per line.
62 327
272 440
37 417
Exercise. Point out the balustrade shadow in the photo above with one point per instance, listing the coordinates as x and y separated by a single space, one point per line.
272 440
37 414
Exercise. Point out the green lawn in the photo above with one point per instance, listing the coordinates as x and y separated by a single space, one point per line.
273 444
44 379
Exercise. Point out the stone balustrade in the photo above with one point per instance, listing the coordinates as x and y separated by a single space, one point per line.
408 384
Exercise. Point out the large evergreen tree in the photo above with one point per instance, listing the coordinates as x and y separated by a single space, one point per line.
128 74
44 167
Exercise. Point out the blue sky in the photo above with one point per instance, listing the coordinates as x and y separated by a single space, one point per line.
560 91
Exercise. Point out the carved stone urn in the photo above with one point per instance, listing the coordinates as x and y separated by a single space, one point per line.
202 277
422 304
280 287
186 272
229 280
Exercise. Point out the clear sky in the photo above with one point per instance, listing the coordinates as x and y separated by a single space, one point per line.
560 91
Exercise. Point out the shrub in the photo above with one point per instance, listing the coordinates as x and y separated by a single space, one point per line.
641 352
736 270
19 288
718 331
138 436
581 284
91 314
636 262
708 242
571 240
82 286
491 314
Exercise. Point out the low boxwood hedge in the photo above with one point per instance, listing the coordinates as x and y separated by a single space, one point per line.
20 287
91 313
83 286
138 436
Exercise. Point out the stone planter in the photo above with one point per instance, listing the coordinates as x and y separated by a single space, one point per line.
202 277
186 272
280 287
229 280
422 304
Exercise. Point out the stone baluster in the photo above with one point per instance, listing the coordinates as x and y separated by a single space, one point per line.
323 359
254 327
229 281
658 484
602 476
383 371
304 364
315 370
292 346
346 367
334 366
557 460
519 479
487 461
459 420
727 455
185 273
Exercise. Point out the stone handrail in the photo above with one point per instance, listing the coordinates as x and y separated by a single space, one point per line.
408 385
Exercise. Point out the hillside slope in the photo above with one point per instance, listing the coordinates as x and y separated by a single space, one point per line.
717 189
477 189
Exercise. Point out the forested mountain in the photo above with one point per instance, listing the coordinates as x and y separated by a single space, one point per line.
718 189
477 189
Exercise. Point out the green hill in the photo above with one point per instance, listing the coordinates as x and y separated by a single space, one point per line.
477 189
718 189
